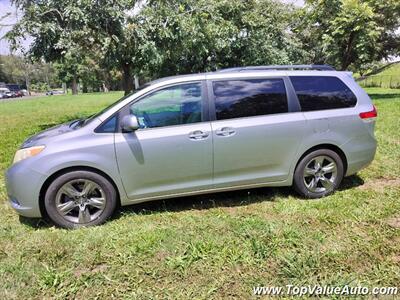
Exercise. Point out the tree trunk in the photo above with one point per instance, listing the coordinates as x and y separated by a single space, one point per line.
347 59
137 85
106 84
28 84
127 80
105 88
74 86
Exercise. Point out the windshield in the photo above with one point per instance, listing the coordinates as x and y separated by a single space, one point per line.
82 122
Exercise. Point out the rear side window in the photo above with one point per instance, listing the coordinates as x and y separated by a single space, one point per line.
322 92
246 98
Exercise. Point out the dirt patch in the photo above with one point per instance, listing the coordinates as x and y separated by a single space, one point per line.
232 211
394 222
161 255
379 185
396 259
97 269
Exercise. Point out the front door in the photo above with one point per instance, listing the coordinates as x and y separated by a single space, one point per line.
172 151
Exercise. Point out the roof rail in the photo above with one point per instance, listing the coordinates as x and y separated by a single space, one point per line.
280 67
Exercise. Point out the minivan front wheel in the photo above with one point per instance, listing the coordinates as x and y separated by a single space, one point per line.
318 174
80 198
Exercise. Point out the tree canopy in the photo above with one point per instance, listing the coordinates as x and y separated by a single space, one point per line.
349 33
89 40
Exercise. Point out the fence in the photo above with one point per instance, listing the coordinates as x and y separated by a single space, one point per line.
385 81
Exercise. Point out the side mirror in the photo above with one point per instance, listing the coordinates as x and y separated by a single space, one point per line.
129 123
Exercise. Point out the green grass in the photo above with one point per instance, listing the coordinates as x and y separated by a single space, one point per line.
211 246
388 77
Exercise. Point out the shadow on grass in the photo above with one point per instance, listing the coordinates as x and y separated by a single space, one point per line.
225 199
384 96
205 201
350 182
36 223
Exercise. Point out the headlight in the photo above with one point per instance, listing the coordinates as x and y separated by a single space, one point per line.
27 152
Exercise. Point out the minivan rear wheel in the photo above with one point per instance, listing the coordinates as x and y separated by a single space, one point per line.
80 198
318 174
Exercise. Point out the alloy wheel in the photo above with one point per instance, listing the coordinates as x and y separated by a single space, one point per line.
80 201
320 174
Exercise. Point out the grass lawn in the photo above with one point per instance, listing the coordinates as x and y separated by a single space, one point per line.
389 77
212 246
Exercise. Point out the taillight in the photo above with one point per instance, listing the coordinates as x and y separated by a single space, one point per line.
369 114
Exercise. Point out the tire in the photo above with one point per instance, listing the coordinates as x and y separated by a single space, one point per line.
318 174
80 199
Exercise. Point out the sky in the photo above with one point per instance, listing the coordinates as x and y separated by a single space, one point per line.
5 7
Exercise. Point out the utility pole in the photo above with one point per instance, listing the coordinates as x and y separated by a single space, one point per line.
136 81
27 70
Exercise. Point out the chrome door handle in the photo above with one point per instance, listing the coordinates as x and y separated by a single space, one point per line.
225 131
198 135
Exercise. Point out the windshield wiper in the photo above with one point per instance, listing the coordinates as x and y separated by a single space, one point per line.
76 123
80 122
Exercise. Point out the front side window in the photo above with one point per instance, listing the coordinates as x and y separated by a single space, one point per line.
175 105
108 126
251 97
322 92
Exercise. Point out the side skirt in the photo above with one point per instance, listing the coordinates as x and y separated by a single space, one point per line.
208 191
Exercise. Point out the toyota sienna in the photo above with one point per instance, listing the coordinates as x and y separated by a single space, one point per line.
304 126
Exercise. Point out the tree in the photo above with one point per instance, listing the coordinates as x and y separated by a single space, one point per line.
157 38
387 16
352 36
69 32
17 69
53 30
192 36
348 33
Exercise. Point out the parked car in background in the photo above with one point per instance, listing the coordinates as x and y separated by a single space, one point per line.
300 126
10 94
18 94
54 92
15 89
24 92
5 93
15 94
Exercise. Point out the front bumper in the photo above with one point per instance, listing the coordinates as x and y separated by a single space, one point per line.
23 188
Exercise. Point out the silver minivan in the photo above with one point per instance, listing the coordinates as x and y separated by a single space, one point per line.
306 126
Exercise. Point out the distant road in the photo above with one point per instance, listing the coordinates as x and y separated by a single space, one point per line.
21 98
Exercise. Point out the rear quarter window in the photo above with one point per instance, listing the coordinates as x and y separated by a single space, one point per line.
322 92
